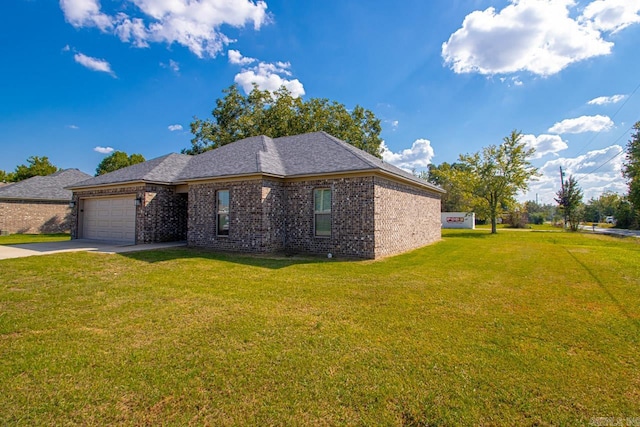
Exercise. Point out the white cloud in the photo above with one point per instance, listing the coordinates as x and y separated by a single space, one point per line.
611 15
596 171
538 36
194 24
85 13
174 128
544 144
417 157
132 30
236 58
172 65
94 64
583 124
103 150
269 77
74 127
603 100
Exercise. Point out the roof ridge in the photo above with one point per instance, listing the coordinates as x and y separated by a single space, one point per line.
270 152
263 139
160 160
352 149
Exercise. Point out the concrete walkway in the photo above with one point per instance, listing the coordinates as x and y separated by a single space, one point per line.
78 245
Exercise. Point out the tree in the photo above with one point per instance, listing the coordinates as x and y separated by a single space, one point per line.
492 178
631 169
444 175
118 160
595 210
570 202
4 176
277 114
38 166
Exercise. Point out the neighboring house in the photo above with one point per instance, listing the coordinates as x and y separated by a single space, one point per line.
39 204
308 193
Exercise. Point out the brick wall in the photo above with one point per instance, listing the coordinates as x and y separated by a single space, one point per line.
370 217
352 220
162 217
247 228
274 227
268 215
406 217
30 216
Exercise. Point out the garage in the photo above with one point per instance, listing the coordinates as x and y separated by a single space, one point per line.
112 219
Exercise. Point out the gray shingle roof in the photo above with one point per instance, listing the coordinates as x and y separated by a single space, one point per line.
238 158
164 170
50 187
316 153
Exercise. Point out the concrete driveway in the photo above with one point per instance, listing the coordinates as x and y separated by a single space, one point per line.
32 249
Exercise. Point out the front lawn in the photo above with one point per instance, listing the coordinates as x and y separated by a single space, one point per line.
530 328
17 239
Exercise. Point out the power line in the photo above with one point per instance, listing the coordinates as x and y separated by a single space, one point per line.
612 117
609 160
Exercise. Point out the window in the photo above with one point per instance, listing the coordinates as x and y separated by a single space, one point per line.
322 212
222 212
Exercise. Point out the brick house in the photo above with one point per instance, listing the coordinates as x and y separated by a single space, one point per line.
39 204
308 193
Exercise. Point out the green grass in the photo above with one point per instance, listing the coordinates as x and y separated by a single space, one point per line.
537 227
530 328
15 239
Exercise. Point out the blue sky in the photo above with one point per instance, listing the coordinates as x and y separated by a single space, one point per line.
83 77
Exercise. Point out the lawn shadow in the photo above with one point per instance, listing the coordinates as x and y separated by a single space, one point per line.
272 261
610 295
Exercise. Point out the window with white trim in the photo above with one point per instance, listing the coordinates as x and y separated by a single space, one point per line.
322 212
222 212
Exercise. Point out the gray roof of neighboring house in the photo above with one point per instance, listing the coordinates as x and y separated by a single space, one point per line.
163 170
50 187
316 153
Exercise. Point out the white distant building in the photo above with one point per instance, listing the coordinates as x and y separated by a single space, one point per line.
458 220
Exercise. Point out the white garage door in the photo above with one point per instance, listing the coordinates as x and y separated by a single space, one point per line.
111 219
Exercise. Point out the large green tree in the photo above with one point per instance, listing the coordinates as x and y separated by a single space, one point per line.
118 160
275 114
37 166
491 178
569 199
445 175
631 169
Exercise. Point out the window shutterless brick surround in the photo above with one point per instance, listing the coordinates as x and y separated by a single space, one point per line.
161 217
31 216
371 217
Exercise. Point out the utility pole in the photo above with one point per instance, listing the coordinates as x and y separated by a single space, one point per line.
564 198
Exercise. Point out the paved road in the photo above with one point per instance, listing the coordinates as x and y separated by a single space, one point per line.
614 231
33 249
